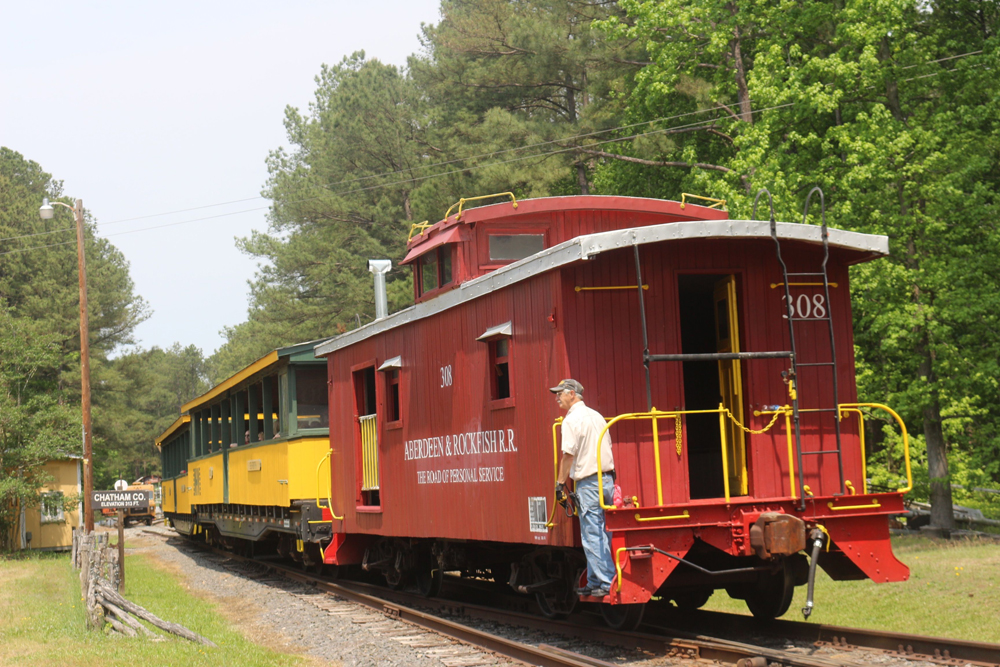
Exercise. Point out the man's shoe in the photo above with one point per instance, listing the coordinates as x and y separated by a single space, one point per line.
583 592
600 592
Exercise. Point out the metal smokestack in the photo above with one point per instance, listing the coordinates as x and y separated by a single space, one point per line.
379 267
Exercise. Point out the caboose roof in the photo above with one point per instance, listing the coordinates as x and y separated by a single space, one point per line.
868 246
455 228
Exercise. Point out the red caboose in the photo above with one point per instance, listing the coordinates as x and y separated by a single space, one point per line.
736 430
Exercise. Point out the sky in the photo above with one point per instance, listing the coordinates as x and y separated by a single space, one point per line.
145 109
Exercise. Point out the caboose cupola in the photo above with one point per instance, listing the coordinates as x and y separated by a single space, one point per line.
474 242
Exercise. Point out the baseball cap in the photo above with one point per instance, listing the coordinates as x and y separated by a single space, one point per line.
567 384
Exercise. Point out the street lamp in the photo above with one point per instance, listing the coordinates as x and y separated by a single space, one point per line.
46 212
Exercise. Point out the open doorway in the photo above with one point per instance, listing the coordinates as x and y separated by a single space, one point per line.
709 324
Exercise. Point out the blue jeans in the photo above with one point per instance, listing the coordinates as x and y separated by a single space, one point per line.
595 538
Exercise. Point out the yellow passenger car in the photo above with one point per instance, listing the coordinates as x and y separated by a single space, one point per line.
240 463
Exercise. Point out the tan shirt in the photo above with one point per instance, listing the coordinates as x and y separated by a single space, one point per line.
580 430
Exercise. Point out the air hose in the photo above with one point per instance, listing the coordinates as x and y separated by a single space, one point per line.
817 536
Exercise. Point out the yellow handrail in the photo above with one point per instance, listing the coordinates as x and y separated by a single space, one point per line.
847 407
776 285
329 498
656 460
725 445
578 288
791 451
618 566
902 427
655 415
721 203
461 202
870 505
422 226
683 515
861 437
555 460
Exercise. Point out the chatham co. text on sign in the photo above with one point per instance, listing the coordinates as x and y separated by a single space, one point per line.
121 499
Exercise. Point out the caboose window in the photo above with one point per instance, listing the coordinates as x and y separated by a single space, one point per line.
512 247
392 395
390 369
433 270
444 261
428 272
498 341
500 363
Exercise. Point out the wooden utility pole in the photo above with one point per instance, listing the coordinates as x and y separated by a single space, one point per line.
88 444
121 550
46 212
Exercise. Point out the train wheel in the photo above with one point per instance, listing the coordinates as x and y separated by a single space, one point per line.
624 617
771 595
429 581
312 558
556 604
692 599
393 578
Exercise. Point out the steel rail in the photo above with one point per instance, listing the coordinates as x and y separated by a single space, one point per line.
940 650
704 648
680 637
590 629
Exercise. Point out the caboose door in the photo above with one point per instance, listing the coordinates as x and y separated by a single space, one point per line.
727 339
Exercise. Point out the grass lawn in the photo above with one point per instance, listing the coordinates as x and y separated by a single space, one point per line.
42 620
953 591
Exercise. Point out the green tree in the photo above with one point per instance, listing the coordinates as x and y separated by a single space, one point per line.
35 423
381 148
146 389
40 292
504 74
876 109
333 210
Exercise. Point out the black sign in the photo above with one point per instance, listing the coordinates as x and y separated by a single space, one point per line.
113 500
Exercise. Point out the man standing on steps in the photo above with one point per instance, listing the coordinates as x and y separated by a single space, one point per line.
581 429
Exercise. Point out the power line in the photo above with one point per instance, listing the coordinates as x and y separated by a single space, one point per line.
543 155
141 217
394 183
36 247
380 175
437 164
369 177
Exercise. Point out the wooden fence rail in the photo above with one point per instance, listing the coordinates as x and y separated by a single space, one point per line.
104 603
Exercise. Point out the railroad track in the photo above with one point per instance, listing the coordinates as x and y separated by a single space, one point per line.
667 634
912 647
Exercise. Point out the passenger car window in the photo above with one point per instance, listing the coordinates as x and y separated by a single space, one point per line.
311 398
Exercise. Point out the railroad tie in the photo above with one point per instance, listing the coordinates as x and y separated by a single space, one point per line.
430 644
468 661
424 640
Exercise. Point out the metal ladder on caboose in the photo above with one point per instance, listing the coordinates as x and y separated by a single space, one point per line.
831 366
